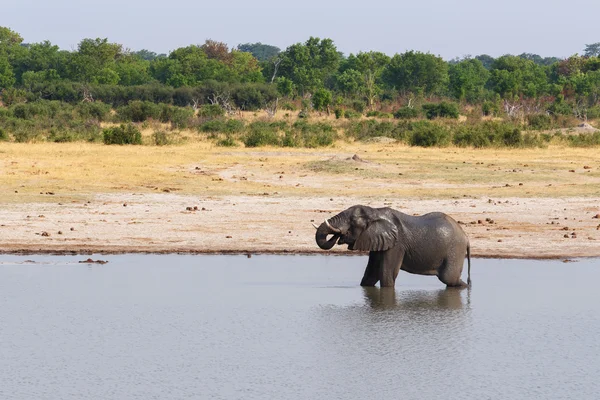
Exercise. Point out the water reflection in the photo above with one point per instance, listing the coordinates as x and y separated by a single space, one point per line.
389 298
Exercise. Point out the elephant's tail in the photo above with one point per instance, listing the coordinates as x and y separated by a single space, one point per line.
469 264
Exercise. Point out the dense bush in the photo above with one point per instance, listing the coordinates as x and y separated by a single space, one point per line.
3 135
139 111
179 117
123 134
262 134
441 110
539 121
93 110
428 134
406 113
211 111
584 139
305 134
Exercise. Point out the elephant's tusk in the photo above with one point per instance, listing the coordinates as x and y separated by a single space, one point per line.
332 228
316 227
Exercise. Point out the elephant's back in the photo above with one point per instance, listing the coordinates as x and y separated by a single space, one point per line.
442 224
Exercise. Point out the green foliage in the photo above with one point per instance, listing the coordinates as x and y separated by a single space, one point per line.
490 108
179 117
406 113
339 113
321 99
305 134
441 110
309 64
467 80
262 52
417 72
211 111
539 121
123 134
428 134
3 135
584 139
96 110
262 134
139 111
371 128
160 138
379 114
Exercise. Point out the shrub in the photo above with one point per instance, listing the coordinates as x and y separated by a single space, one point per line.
406 113
234 126
262 134
490 108
123 134
512 138
441 110
321 99
539 121
349 114
139 111
228 141
339 113
584 139
370 128
359 106
179 117
160 138
309 135
213 125
211 111
96 110
3 135
474 136
427 134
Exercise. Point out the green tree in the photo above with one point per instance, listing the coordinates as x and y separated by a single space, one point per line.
7 76
512 76
592 50
148 55
262 52
486 60
311 64
92 60
467 79
321 100
417 72
370 67
133 70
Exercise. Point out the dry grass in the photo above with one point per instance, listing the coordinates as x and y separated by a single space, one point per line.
73 170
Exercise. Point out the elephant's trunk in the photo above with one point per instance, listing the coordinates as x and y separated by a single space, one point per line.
321 235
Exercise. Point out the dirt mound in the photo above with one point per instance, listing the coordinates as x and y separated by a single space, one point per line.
586 126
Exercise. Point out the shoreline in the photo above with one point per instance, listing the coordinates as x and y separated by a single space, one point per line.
151 223
348 253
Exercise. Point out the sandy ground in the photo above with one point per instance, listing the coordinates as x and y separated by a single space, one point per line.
89 198
164 223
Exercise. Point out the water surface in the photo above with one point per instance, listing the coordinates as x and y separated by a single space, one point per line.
294 327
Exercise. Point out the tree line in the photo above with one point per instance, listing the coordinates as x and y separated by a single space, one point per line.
255 75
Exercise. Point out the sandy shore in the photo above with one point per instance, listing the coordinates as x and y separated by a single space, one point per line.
174 223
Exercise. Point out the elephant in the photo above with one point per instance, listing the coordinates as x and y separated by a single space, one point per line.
430 244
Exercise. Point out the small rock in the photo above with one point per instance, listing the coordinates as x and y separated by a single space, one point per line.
60 232
72 229
587 167
499 240
228 237
571 170
566 236
45 234
124 204
597 216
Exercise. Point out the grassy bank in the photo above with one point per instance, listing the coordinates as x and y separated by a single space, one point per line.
71 170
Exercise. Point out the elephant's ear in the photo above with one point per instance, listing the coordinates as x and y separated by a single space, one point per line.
380 235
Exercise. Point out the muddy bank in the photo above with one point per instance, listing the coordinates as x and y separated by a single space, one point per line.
172 223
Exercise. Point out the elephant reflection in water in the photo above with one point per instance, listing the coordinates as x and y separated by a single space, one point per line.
386 298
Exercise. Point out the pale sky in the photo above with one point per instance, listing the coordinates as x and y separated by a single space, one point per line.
449 28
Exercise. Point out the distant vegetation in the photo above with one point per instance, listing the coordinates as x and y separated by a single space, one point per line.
419 98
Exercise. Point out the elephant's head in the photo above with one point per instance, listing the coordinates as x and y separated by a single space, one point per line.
361 228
